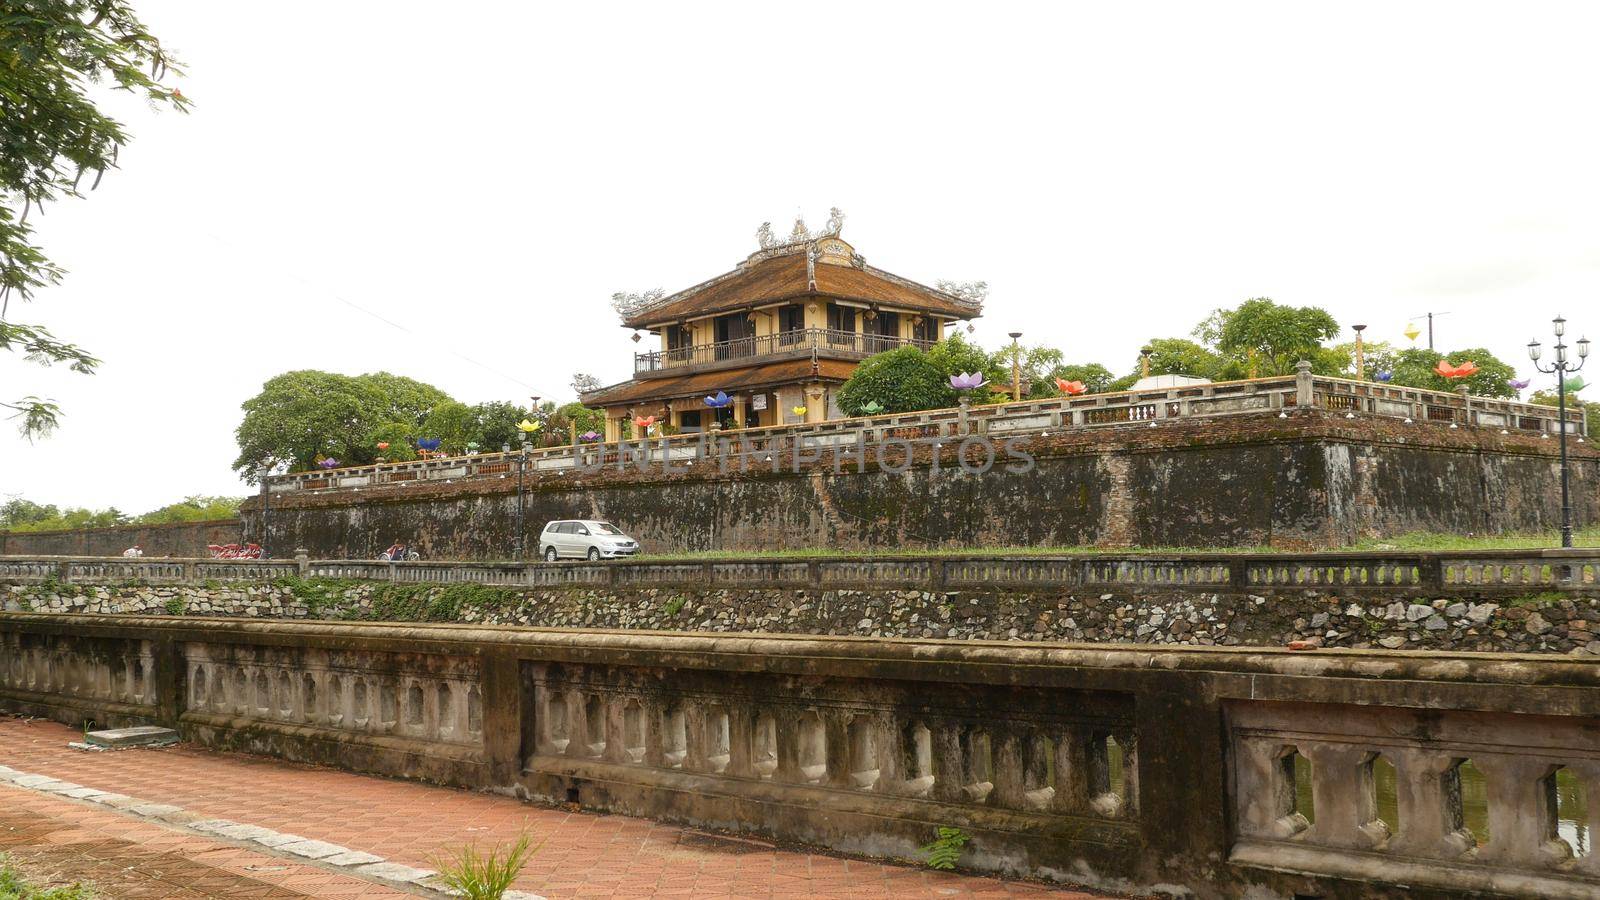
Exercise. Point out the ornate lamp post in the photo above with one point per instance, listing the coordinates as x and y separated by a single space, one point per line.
1560 367
1361 367
527 428
1016 367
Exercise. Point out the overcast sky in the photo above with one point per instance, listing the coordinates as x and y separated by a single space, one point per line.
487 174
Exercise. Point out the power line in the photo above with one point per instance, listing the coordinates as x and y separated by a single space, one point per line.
432 342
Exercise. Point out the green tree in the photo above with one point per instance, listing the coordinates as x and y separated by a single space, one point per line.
1414 367
54 55
1096 378
19 512
1269 336
495 424
584 418
304 414
1180 356
401 438
1034 364
454 424
194 508
905 379
67 519
956 355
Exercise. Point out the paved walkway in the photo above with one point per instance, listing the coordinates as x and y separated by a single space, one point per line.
128 854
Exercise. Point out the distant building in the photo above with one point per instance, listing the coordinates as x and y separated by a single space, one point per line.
779 332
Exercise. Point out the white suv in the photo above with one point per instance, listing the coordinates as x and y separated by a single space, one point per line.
585 538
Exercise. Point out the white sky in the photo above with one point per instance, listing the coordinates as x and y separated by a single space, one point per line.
489 173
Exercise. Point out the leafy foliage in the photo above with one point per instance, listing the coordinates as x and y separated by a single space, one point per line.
453 424
1179 356
1414 367
945 850
24 515
193 508
53 54
306 414
905 379
1269 337
1591 411
485 876
582 419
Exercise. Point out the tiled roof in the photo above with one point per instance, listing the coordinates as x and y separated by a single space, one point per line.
784 278
732 381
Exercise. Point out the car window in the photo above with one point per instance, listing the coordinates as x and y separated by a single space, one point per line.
553 528
607 528
569 527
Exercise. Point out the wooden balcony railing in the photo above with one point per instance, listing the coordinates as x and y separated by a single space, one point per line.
799 342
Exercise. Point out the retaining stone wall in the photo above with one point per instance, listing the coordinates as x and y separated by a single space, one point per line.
1541 623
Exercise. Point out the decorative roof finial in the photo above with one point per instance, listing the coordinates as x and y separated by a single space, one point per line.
799 234
764 236
835 223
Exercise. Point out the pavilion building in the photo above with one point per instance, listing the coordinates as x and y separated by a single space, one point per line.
778 333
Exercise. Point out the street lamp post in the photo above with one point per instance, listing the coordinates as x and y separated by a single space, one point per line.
1016 367
522 465
1559 367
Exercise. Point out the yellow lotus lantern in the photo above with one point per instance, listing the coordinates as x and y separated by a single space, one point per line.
799 410
1412 330
527 427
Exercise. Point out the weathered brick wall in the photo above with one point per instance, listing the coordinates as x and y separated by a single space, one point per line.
1461 618
185 539
1310 480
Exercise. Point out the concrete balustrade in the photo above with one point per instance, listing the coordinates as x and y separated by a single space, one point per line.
1228 772
1389 572
758 448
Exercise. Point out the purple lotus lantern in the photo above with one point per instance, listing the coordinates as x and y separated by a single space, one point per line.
719 401
329 463
589 436
1518 384
967 381
1384 376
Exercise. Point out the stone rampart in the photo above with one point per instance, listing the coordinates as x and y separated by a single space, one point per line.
185 539
1222 772
1313 479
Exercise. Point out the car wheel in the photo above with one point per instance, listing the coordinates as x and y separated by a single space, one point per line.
549 554
594 553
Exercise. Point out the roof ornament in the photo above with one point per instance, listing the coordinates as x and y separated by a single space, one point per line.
630 304
764 236
835 223
799 235
972 293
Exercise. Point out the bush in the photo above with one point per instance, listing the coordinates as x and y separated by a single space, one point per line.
905 379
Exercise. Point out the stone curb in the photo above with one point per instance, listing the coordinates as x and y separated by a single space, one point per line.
322 853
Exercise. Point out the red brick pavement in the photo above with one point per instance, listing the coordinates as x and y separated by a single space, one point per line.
584 854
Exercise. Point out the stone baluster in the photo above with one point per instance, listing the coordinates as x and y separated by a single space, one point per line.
654 715
836 725
1520 812
788 727
1009 784
1340 795
741 740
1430 826
949 770
616 708
1073 783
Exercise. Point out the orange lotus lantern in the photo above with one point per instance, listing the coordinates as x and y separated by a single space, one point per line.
383 445
1071 388
644 422
1466 370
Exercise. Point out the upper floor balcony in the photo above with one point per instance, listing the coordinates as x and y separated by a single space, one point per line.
797 343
